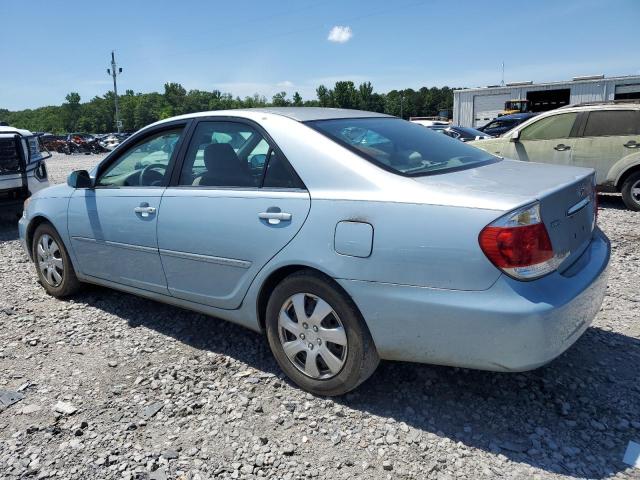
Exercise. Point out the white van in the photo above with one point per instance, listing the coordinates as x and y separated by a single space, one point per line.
22 168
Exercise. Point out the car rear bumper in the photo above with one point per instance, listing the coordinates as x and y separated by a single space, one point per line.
512 326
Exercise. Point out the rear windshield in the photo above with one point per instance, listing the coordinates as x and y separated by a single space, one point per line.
402 147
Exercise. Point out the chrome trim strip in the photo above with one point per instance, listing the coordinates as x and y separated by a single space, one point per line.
578 206
231 262
85 239
128 246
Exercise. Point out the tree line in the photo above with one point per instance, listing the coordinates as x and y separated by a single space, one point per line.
140 109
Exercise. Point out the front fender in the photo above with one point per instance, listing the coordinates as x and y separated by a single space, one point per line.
49 209
621 167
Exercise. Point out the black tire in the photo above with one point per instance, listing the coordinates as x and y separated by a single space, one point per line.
632 202
361 355
69 283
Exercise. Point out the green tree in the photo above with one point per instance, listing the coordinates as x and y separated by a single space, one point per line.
175 96
140 109
324 96
280 100
345 95
71 111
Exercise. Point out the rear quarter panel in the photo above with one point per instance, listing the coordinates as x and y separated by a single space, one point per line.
413 244
620 167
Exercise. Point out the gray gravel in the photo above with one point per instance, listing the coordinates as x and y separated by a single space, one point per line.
114 386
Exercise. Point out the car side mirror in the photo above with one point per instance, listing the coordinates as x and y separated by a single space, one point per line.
515 136
79 179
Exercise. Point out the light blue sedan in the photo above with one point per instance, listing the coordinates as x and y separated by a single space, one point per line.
347 236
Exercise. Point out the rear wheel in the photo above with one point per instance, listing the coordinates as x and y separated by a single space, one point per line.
318 336
53 265
631 191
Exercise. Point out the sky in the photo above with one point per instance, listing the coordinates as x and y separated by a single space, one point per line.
50 48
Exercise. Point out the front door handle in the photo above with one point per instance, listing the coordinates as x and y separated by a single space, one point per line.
274 217
561 147
145 210
632 144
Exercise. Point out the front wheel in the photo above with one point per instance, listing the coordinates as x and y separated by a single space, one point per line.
53 265
631 192
318 336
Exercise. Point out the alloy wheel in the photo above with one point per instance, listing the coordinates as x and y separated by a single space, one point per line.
312 336
50 260
635 191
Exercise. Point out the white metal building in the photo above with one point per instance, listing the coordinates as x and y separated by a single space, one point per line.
475 107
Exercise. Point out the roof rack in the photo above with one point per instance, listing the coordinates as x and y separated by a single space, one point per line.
605 102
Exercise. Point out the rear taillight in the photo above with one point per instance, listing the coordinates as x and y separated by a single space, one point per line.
519 245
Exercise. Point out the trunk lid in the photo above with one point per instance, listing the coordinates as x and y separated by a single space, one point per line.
566 195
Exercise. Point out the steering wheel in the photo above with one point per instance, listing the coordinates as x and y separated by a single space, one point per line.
152 174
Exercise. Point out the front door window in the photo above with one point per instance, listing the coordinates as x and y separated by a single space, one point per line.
143 165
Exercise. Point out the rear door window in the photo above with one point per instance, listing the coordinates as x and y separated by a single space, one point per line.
612 123
234 154
550 128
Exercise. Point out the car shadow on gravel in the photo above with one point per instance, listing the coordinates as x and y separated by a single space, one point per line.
8 228
573 417
611 201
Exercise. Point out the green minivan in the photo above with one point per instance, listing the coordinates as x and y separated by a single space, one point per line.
604 136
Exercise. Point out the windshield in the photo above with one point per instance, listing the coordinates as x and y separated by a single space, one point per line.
402 147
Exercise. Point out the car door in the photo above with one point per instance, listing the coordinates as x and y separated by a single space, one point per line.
113 224
234 204
549 139
607 136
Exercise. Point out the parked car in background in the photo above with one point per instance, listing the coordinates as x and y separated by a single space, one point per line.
54 143
430 121
22 167
109 141
605 137
503 124
418 247
465 134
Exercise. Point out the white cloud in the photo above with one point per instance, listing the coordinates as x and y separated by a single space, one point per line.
340 34
285 84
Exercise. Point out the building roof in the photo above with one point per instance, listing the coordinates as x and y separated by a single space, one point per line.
525 85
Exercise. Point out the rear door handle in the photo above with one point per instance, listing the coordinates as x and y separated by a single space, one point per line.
275 218
145 210
561 147
632 144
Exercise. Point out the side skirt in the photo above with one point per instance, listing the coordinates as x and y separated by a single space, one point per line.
238 316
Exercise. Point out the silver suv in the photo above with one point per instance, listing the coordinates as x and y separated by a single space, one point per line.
603 136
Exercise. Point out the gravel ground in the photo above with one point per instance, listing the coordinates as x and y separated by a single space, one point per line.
115 386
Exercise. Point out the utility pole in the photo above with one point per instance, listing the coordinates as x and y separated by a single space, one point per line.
113 71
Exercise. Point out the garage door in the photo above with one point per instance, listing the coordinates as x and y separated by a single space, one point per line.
487 107
627 92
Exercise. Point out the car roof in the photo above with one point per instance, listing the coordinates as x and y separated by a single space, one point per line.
306 114
19 131
631 105
515 116
300 114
